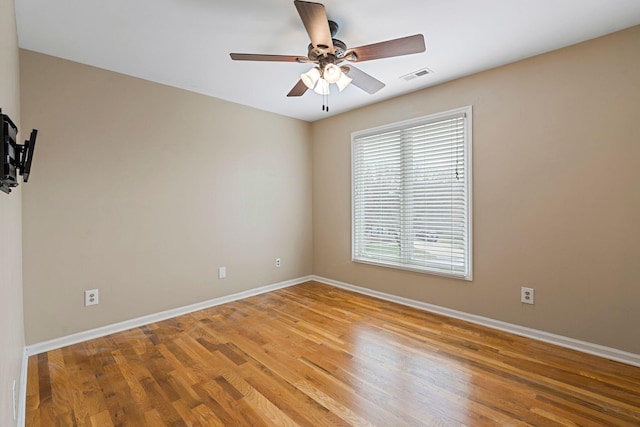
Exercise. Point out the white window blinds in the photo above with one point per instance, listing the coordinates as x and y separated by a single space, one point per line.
412 194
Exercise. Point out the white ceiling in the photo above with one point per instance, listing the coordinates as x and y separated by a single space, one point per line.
186 43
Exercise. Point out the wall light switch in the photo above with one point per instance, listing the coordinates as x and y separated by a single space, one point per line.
222 272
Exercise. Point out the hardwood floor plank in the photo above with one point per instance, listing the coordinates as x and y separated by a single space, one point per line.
44 380
32 414
314 355
191 415
224 415
331 404
101 419
154 418
266 409
206 416
304 412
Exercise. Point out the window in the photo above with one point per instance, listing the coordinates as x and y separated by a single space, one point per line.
412 194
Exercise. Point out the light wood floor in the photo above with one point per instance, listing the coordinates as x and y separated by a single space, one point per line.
315 355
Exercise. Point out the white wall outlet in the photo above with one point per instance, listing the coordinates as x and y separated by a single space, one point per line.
90 297
222 272
278 262
526 295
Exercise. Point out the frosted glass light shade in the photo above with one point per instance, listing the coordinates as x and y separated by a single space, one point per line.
322 88
343 81
310 77
332 73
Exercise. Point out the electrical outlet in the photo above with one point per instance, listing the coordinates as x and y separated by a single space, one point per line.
222 272
90 297
526 295
277 262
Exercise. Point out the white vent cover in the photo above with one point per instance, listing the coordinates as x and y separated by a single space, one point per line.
416 74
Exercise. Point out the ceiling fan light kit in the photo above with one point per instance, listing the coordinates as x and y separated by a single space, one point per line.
343 81
316 77
311 77
332 73
328 53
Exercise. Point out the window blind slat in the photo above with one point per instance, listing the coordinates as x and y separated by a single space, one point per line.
411 206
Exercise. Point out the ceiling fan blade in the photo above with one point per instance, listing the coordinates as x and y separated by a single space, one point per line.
298 90
363 80
390 48
260 57
316 23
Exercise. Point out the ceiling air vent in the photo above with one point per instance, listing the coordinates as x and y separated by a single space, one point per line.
416 74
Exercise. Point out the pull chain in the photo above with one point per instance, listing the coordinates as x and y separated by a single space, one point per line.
325 103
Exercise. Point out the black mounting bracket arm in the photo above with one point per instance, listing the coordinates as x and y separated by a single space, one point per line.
15 159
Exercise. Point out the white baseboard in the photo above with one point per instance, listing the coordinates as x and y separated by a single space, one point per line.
22 392
152 318
559 340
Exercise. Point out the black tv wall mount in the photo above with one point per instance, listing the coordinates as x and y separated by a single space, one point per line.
15 158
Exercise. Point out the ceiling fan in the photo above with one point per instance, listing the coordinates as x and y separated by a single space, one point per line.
328 53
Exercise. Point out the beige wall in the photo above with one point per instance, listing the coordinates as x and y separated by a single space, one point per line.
556 146
11 319
143 191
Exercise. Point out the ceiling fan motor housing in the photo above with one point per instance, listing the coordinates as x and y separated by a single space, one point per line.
315 53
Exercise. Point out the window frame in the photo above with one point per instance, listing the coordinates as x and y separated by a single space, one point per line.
467 113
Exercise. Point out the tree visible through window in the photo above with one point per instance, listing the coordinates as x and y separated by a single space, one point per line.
412 194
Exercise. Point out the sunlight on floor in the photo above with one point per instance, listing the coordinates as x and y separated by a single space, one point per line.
413 380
